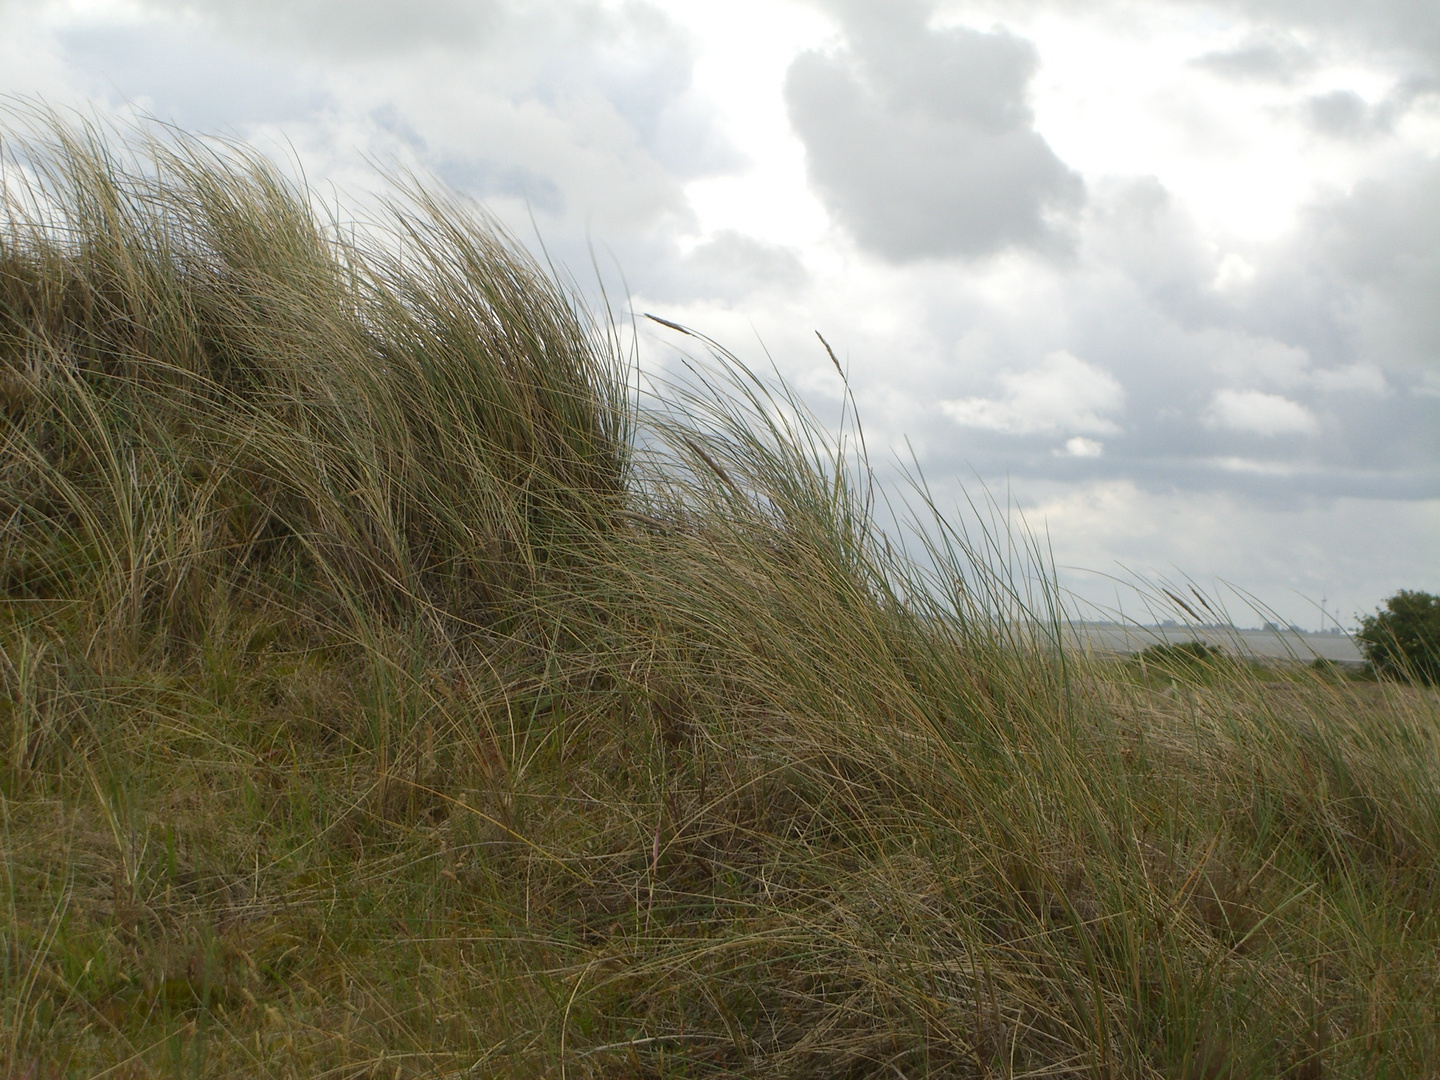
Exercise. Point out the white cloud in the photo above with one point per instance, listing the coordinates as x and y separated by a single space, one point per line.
1260 413
1079 446
1063 394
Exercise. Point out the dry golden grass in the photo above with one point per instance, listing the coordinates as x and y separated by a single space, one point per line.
385 691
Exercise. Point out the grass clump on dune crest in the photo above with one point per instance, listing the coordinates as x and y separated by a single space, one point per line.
385 692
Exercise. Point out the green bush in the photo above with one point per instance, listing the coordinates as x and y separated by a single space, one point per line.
1182 655
1403 640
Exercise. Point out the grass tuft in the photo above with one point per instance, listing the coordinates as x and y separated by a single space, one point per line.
385 690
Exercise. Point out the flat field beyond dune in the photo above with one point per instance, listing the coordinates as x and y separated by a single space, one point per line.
388 689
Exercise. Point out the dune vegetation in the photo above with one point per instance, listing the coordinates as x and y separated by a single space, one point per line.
392 686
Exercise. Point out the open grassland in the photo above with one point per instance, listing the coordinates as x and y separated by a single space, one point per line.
388 689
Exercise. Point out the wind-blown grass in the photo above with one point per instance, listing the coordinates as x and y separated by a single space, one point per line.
387 691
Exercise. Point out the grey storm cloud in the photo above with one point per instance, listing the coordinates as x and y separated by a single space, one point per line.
1339 321
1344 114
1401 28
1267 57
1327 359
1379 246
921 141
1318 375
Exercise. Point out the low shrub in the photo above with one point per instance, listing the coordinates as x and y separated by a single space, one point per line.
1181 655
1402 640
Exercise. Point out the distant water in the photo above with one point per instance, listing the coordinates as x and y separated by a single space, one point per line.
1277 644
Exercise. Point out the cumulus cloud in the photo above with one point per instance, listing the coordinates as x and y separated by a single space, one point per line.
1331 328
581 112
1079 446
1326 333
921 141
552 51
1063 394
1260 413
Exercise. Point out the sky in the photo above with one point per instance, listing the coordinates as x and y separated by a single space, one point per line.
1161 275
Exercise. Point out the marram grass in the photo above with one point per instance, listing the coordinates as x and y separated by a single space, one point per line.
387 691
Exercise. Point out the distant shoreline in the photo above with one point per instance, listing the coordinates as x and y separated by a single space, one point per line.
1277 643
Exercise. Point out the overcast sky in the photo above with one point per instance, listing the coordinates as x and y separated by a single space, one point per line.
1168 272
